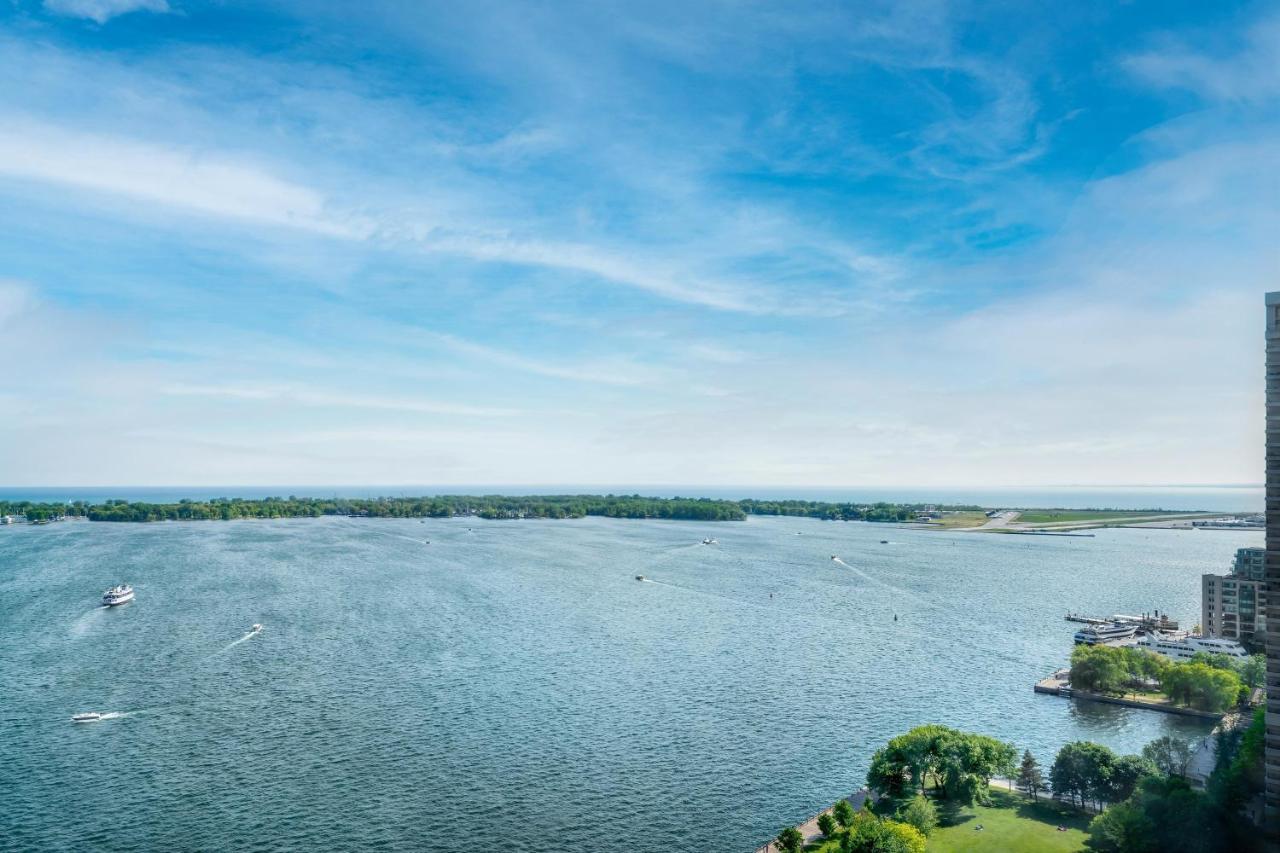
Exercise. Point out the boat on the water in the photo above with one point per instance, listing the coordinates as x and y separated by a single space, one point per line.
835 557
1182 646
256 628
884 541
710 541
1101 634
87 717
120 594
640 577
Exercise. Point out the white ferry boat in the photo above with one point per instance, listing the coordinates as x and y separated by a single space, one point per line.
1102 634
121 594
1184 646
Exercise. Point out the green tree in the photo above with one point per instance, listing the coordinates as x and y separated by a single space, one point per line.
959 763
1169 754
1083 770
870 834
790 840
919 812
827 824
1030 779
1123 828
844 813
1253 670
1126 772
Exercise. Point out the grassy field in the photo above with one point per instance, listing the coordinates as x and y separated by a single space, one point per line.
1011 822
1058 516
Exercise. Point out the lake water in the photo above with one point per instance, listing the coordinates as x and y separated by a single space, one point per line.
512 686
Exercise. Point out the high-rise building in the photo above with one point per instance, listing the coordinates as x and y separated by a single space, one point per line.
1234 606
1272 561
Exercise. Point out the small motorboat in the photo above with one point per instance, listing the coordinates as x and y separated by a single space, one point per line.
87 717
884 541
835 556
710 541
256 629
640 577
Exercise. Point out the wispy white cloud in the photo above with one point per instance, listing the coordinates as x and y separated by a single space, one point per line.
183 178
1249 71
332 399
602 373
102 11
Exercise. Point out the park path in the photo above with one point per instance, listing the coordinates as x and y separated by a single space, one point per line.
809 829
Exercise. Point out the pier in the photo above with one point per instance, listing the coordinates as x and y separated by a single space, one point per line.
1059 684
809 827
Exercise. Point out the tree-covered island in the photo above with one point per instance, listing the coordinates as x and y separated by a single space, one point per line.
481 506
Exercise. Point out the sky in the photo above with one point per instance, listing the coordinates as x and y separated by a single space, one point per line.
834 244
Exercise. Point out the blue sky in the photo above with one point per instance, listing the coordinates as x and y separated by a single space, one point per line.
711 243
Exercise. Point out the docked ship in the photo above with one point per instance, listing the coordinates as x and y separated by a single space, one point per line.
1184 646
1102 634
121 594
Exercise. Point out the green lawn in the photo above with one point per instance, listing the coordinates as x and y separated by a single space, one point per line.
1050 516
1011 822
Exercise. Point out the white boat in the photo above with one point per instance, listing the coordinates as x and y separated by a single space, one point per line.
88 717
1180 646
256 628
1096 634
710 541
121 594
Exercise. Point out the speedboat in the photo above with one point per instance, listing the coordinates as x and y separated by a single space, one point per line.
710 541
639 577
884 541
256 628
88 717
121 594
835 556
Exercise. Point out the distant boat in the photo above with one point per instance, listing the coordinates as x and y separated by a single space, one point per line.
256 629
640 577
89 717
121 594
710 541
884 541
1101 634
835 556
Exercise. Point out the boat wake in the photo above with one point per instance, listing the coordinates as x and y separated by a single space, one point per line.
877 581
246 637
82 625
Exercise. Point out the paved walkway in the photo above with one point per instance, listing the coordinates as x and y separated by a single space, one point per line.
809 829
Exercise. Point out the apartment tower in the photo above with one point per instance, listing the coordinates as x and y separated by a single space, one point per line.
1272 564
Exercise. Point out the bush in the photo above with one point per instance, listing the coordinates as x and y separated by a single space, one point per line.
921 813
790 840
827 824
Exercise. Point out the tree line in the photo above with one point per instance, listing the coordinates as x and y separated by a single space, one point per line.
446 506
1142 803
1206 682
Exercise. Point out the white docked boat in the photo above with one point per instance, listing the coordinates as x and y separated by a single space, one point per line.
121 594
88 717
1101 634
1180 646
